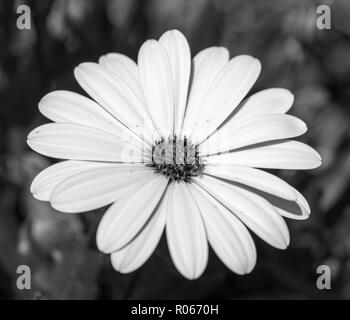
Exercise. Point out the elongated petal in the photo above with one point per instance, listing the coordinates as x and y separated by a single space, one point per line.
115 96
273 100
178 50
298 209
288 201
185 232
205 67
69 107
226 92
124 219
135 254
287 154
254 178
254 130
227 235
97 187
78 142
254 211
126 69
44 183
157 84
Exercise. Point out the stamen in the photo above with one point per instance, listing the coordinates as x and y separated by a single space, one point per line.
178 159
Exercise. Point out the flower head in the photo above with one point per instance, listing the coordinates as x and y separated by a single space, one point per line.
169 143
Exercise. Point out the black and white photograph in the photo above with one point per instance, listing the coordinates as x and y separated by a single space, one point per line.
193 151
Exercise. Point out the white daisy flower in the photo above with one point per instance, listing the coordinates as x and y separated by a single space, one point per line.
170 145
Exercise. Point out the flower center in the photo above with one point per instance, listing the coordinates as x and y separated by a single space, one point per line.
178 159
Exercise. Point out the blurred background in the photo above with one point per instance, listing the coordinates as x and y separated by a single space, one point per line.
60 249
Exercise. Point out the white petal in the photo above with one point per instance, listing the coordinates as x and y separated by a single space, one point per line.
227 235
78 142
44 183
185 232
157 84
69 107
206 65
125 218
135 254
126 69
298 209
274 100
97 187
287 200
114 96
254 211
178 50
226 92
254 130
254 178
281 155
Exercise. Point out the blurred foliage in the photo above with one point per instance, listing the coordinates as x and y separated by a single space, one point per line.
314 64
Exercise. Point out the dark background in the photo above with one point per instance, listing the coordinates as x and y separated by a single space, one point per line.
60 248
